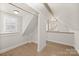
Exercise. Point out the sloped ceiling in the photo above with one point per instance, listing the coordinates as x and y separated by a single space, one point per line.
66 12
21 7
26 7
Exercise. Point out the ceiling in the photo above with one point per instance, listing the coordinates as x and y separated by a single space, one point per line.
21 7
68 13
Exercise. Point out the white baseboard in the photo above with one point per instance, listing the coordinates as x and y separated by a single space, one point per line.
35 42
39 49
9 48
77 50
61 43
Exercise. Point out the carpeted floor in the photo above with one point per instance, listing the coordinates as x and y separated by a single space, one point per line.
52 49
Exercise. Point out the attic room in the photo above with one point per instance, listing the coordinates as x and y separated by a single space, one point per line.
39 29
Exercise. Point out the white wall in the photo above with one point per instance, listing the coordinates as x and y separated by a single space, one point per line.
44 15
0 42
67 13
13 20
30 32
7 8
26 20
34 29
9 41
62 38
76 44
1 22
12 40
42 35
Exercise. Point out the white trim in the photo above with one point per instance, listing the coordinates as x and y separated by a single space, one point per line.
9 48
77 50
34 41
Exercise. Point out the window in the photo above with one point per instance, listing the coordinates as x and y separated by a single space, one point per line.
52 24
10 23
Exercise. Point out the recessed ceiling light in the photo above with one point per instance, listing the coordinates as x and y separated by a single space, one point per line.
16 12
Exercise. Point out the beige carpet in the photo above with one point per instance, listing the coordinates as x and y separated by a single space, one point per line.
52 49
